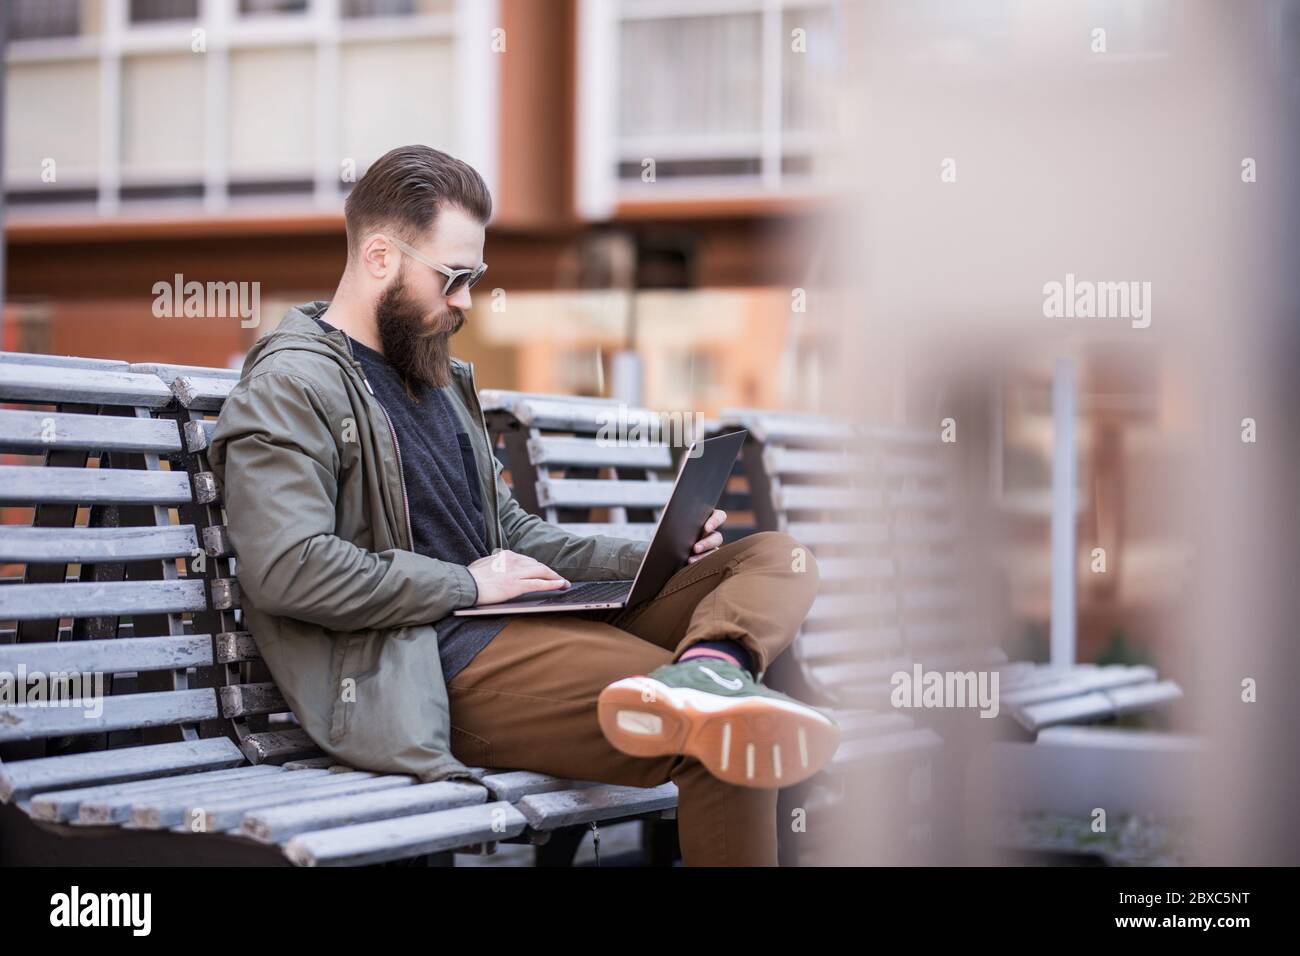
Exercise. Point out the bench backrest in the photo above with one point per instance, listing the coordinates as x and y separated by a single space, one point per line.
564 468
116 566
877 507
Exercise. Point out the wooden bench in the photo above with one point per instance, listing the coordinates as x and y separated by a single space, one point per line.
878 507
188 753
549 443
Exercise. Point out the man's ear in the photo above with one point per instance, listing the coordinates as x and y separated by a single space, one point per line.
377 257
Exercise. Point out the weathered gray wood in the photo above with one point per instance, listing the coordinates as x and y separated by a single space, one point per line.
35 602
86 386
113 656
20 779
278 824
401 837
235 646
595 493
513 785
202 394
561 808
198 435
34 484
122 712
590 452
157 811
277 746
206 491
636 531
312 763
216 542
32 431
89 804
61 361
229 814
93 545
170 373
779 461
225 594
820 498
242 700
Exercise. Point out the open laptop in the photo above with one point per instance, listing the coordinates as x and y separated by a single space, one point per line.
700 482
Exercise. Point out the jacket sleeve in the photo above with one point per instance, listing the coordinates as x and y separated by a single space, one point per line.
277 463
578 557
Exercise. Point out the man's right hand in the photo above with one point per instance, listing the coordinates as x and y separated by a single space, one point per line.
507 575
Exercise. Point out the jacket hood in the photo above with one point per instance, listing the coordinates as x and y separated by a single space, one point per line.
299 330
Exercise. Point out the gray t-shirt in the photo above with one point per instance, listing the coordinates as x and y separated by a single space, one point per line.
447 517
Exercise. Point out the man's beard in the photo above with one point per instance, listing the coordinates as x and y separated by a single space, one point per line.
420 354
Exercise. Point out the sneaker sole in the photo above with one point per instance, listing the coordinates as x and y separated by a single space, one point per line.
746 741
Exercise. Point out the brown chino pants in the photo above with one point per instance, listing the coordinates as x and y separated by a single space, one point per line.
528 700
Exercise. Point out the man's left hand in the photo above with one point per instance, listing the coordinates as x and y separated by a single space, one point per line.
711 540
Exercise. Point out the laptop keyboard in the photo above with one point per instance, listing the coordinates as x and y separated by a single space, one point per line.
584 592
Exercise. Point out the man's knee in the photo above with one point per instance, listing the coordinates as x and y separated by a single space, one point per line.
784 549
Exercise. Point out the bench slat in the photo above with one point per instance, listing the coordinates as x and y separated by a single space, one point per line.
591 453
561 808
159 810
88 386
35 484
202 394
112 656
277 746
229 814
20 779
123 712
415 835
242 700
36 602
595 493
61 361
636 531
30 431
278 824
93 545
170 373
88 805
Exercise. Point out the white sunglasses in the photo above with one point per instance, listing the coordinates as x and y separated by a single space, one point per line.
455 277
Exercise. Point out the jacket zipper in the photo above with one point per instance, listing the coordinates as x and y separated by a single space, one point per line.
401 475
478 408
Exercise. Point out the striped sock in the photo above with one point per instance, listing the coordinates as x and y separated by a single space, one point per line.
732 651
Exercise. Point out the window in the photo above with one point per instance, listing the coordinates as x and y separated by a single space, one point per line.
709 97
149 11
394 8
272 6
40 19
290 108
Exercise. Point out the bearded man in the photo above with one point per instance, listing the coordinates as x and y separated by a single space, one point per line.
366 505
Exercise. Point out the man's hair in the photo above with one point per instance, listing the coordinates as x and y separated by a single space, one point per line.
406 188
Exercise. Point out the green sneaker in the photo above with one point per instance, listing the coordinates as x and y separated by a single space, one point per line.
713 710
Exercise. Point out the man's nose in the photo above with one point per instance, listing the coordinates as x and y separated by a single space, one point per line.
460 299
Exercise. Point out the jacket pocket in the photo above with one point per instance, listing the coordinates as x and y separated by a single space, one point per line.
471 469
347 650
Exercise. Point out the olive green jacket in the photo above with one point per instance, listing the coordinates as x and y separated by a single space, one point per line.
340 607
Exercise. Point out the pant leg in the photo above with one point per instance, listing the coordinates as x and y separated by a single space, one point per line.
528 701
756 590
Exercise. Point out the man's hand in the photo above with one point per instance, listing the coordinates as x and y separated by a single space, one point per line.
507 575
711 540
